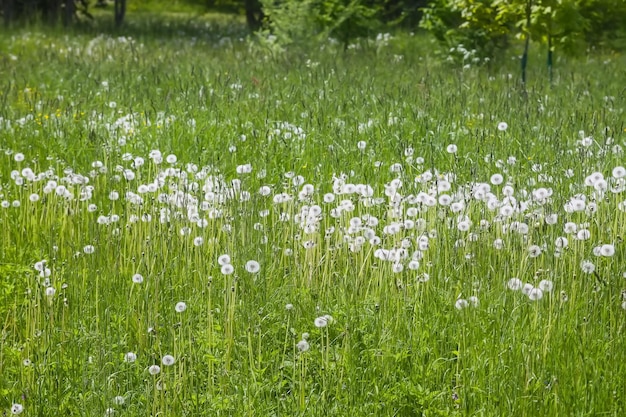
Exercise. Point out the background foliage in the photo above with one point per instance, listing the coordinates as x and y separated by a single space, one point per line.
476 28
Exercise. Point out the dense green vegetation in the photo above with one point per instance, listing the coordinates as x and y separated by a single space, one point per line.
194 221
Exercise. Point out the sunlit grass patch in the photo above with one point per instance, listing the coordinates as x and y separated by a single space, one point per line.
201 226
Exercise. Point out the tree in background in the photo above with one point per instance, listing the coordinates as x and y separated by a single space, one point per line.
48 11
303 21
119 11
486 27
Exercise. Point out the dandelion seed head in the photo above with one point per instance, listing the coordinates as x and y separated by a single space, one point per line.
546 285
473 300
619 172
527 288
535 294
168 360
496 179
320 322
252 267
17 409
515 284
561 242
227 269
587 267
303 345
534 251
607 250
583 234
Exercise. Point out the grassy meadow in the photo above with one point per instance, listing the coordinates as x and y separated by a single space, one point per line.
192 224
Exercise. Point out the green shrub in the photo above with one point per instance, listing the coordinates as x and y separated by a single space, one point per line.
304 20
487 26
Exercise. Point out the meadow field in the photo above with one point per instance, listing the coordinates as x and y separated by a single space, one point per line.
193 223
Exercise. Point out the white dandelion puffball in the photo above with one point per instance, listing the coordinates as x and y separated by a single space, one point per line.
89 249
17 409
607 250
154 370
587 267
534 251
321 322
535 294
130 357
18 157
168 360
496 179
473 300
561 242
303 345
227 269
502 126
527 288
137 278
452 148
253 267
618 172
180 307
546 285
119 400
461 303
515 284
223 260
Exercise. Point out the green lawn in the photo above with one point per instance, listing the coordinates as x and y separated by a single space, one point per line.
425 239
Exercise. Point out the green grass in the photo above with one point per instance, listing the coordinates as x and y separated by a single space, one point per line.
396 344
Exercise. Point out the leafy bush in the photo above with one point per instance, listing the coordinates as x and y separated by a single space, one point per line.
487 26
482 26
303 20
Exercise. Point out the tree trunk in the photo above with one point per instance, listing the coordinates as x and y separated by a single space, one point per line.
68 12
527 43
120 12
550 57
8 9
51 11
254 14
